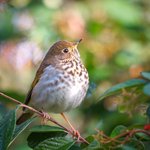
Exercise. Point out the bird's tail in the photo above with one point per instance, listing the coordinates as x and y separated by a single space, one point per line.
25 116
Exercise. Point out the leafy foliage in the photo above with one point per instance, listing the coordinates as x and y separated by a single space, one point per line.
125 85
8 129
41 133
118 130
56 143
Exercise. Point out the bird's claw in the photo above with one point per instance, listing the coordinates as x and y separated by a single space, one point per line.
76 134
45 116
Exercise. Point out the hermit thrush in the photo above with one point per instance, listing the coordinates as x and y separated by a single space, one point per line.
61 82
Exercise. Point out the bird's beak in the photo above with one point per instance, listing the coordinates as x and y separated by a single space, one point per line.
77 42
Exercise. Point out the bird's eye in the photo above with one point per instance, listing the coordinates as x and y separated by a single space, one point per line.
65 50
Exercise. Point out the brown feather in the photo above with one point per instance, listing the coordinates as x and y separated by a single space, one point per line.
35 81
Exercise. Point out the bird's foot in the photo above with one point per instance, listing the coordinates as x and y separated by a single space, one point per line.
45 116
76 134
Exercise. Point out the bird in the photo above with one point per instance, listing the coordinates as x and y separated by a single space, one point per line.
60 84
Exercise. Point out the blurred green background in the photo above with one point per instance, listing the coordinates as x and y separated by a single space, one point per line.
115 48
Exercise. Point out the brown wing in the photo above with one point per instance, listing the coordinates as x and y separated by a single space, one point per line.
46 62
35 81
27 100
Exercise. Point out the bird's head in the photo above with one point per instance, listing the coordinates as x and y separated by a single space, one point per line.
64 51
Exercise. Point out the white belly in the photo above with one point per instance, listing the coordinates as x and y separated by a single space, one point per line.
53 93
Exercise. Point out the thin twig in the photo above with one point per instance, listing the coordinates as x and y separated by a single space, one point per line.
41 115
127 134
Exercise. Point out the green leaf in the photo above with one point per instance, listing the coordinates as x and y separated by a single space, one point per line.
146 75
118 130
90 139
125 85
143 137
21 127
95 145
7 127
75 147
40 133
3 110
56 143
146 89
46 128
133 144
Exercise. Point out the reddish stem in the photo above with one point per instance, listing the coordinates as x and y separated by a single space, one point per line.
127 134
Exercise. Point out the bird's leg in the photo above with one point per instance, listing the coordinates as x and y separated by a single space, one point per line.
75 132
